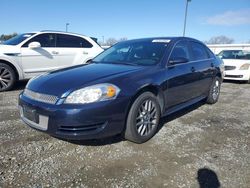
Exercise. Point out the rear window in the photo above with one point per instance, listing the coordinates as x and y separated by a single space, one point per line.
199 51
69 41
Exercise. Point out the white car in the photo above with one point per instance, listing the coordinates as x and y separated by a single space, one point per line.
31 54
237 65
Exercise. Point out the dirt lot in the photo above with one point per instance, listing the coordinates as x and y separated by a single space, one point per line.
206 144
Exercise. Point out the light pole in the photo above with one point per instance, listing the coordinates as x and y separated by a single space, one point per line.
67 24
103 40
185 19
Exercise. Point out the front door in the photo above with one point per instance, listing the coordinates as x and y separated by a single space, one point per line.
181 76
39 60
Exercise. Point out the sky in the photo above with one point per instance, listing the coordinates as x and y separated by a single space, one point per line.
129 18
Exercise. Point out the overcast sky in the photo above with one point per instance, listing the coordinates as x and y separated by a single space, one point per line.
129 18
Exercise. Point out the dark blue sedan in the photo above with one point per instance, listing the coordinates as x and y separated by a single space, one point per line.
125 90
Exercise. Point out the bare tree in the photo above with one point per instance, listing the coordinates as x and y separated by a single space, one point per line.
123 39
220 40
111 41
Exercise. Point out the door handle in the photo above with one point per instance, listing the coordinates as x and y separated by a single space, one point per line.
193 69
55 52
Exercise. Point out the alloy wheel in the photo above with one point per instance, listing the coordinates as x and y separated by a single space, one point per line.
146 119
5 78
216 89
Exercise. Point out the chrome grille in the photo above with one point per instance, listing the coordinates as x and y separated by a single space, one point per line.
230 67
51 99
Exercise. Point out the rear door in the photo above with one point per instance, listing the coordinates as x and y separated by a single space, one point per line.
72 50
181 77
39 60
204 68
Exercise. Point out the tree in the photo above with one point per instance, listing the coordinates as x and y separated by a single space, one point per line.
111 41
6 37
220 40
123 39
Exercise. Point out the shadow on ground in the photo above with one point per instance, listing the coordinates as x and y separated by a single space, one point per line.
234 81
207 178
179 113
20 85
119 138
98 142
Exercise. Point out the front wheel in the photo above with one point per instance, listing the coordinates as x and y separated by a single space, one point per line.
143 118
248 82
7 77
214 91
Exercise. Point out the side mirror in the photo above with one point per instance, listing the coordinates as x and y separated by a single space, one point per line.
34 45
178 60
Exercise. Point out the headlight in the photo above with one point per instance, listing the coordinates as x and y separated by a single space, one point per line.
95 93
245 67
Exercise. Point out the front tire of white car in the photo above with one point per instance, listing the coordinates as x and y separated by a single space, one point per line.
7 77
248 82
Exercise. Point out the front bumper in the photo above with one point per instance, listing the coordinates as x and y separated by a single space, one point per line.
243 75
75 122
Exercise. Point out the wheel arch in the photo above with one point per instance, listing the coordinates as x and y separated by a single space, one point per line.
12 66
153 89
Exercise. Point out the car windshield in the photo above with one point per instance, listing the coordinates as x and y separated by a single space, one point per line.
143 53
234 54
18 39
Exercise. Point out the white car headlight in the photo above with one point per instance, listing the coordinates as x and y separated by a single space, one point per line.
95 93
245 67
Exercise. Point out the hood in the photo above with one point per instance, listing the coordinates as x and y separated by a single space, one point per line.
66 80
235 62
9 49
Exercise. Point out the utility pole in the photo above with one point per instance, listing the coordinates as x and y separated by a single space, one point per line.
103 40
185 19
67 24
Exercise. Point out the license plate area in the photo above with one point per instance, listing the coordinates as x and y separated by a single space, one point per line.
30 114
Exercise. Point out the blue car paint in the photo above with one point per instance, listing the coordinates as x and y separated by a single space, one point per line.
176 86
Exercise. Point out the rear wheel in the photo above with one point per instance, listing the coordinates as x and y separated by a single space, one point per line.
248 81
7 77
214 91
143 118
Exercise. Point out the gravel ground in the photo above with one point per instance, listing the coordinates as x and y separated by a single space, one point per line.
202 144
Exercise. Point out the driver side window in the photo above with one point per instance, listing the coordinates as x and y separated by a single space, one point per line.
46 40
180 51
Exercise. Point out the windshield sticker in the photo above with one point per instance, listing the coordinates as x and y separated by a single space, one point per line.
26 36
161 40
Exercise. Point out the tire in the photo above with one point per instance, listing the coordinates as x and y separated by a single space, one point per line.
214 91
7 77
143 118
